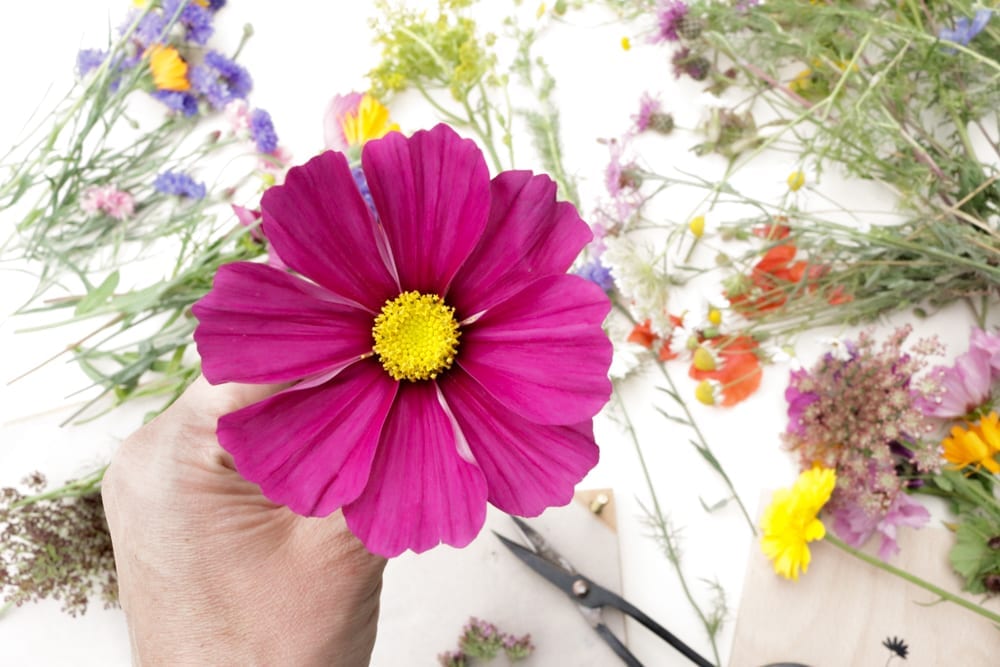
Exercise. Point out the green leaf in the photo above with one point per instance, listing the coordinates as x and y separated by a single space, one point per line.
971 556
99 295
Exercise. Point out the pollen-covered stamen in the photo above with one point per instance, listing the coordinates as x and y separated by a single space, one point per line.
416 336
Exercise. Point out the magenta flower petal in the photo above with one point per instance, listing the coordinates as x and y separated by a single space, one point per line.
283 328
528 235
312 449
421 491
321 227
432 194
542 353
528 467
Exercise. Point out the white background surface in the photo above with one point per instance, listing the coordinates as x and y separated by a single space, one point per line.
301 55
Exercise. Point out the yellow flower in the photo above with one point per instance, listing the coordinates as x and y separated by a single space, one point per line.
697 226
626 43
715 316
796 180
978 445
703 359
790 521
371 121
705 392
168 68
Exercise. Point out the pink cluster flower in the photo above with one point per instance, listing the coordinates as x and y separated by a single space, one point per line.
109 200
856 411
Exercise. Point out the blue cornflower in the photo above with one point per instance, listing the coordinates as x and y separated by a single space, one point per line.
362 183
186 103
216 5
262 131
87 60
964 29
180 184
152 28
196 20
598 274
220 80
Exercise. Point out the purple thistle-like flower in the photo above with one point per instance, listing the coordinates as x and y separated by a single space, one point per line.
179 184
598 274
220 80
669 16
152 27
196 20
87 60
182 102
262 131
648 106
965 30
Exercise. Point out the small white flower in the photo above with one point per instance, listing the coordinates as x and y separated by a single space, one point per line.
642 279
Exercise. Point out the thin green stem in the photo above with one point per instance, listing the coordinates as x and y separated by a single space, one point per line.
666 538
913 579
75 489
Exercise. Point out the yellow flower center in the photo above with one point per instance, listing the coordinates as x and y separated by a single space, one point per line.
416 336
369 121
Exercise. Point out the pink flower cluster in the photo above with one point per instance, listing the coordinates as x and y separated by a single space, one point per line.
856 411
109 200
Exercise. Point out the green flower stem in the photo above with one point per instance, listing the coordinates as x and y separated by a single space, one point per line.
666 539
75 489
705 448
916 581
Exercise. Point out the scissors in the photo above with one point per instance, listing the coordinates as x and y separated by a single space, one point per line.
590 597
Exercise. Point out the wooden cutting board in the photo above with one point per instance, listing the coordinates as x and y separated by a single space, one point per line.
427 598
840 611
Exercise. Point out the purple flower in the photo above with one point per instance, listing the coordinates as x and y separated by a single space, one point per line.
220 80
965 30
185 103
262 131
196 20
798 401
216 5
598 274
366 194
855 526
648 106
179 184
669 16
151 29
87 60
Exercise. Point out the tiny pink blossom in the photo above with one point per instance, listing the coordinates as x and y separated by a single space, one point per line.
109 200
275 162
237 113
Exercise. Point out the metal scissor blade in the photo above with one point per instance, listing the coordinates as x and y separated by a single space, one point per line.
550 571
542 546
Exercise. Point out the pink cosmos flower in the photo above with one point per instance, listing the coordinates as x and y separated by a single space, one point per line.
441 355
249 218
989 343
855 526
965 386
109 200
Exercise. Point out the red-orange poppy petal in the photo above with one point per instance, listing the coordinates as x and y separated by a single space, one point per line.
643 335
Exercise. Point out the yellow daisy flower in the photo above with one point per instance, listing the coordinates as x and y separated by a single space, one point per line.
790 522
371 121
168 68
976 446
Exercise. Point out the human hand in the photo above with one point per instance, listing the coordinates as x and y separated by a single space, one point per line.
212 573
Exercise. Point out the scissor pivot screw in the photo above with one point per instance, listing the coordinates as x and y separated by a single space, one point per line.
580 588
